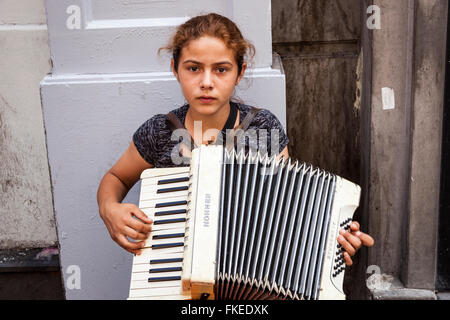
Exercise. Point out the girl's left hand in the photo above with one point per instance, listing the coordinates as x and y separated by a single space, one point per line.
352 240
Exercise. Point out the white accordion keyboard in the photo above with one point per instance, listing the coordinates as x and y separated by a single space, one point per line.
244 228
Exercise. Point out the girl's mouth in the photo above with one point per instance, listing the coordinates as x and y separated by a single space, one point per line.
206 99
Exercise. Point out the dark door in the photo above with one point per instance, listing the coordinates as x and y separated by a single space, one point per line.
443 263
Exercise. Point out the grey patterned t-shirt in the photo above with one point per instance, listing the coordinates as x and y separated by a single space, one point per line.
153 139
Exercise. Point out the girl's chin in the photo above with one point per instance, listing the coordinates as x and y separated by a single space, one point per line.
205 109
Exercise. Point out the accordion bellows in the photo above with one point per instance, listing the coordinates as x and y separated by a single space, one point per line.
261 228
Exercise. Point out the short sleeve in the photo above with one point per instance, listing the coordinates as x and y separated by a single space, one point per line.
276 134
144 139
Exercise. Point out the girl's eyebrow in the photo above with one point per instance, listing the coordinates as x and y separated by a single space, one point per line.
196 62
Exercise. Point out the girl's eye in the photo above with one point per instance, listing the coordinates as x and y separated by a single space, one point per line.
194 69
221 70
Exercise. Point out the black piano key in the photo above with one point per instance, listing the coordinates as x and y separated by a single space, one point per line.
169 221
168 260
174 189
167 245
168 236
175 180
166 213
157 279
172 269
171 204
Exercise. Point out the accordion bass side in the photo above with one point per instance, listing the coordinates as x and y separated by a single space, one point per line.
243 227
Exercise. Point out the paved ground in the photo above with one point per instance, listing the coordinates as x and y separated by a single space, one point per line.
30 274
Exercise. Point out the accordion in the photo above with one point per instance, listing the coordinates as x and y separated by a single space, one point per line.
242 227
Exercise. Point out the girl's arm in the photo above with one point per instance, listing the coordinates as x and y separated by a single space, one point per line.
119 217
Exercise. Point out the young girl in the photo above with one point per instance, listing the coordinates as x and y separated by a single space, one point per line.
208 62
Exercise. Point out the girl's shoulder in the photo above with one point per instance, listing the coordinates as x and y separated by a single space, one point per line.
159 121
153 139
264 119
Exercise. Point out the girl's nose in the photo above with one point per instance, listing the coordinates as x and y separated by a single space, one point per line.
206 81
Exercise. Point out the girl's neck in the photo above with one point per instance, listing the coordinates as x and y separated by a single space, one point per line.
213 121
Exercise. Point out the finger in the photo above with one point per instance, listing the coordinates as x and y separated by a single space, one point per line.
354 240
138 213
346 245
354 226
128 245
138 225
348 259
365 238
136 252
135 235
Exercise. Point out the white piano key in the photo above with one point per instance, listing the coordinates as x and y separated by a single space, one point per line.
146 267
153 188
164 217
168 220
150 242
152 182
151 292
168 226
144 284
146 275
163 172
166 265
164 232
146 197
163 251
141 267
152 211
152 203
139 276
174 237
148 254
164 297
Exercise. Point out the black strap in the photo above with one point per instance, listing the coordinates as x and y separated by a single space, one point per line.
248 119
231 117
242 127
175 123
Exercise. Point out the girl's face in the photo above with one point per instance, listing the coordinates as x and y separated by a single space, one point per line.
207 72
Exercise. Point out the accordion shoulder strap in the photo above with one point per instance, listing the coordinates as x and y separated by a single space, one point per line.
248 119
175 123
232 143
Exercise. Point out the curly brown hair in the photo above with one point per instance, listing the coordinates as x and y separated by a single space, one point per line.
214 25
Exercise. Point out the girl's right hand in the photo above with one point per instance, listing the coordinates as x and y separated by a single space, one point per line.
120 221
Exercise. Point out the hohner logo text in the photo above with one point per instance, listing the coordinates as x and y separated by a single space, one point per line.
207 210
331 238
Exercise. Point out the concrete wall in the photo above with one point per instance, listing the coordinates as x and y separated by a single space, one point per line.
26 211
426 141
389 133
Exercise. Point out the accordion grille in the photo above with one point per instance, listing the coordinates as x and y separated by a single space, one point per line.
273 224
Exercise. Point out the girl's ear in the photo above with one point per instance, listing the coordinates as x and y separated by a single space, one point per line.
244 67
172 66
